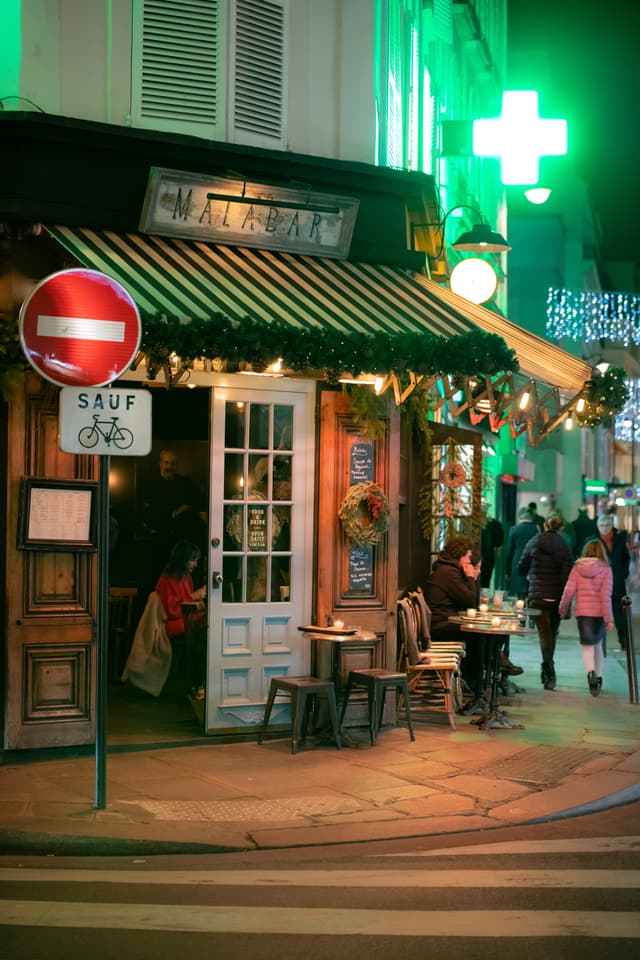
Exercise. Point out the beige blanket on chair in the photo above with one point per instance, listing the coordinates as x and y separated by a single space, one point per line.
149 659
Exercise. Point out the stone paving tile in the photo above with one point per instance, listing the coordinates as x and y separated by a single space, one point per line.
421 771
354 832
178 788
487 788
389 795
363 816
631 763
436 805
573 792
482 751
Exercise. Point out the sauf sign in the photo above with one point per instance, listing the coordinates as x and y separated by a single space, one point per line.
104 421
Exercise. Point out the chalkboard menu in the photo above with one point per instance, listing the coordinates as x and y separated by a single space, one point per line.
361 569
361 463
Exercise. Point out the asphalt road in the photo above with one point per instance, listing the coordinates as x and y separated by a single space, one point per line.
564 889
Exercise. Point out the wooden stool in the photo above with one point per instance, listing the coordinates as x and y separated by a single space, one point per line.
376 682
302 692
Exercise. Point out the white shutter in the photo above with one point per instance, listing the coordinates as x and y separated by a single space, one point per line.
176 67
258 72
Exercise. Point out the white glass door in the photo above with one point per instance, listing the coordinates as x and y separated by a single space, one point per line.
261 555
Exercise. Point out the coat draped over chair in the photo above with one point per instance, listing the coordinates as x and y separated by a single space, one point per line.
149 660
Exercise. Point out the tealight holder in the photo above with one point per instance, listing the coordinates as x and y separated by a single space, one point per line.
519 604
471 612
495 621
484 608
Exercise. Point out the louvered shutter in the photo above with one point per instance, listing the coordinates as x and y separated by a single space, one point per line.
176 66
258 72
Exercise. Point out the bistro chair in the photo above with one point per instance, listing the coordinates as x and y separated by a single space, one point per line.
432 675
120 609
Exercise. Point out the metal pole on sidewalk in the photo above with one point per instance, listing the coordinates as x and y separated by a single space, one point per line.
102 634
631 653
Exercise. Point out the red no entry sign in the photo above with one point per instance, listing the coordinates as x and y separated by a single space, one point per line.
80 328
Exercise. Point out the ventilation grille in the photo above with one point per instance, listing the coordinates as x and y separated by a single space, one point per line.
180 42
259 67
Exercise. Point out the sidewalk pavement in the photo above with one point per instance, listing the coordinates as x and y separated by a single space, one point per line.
575 753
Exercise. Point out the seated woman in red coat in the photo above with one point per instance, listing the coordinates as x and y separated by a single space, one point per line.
175 586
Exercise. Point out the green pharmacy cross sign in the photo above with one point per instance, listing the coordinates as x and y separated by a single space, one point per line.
520 137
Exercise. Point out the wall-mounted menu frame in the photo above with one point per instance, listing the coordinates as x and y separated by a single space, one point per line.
57 514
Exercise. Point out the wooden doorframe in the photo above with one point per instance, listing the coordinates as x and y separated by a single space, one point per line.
374 611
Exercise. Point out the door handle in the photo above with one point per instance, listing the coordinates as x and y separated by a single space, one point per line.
216 578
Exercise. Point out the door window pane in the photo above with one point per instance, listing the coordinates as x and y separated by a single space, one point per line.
281 478
233 527
233 476
259 421
280 579
256 579
234 424
282 427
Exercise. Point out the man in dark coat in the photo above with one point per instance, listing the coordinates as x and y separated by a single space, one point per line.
519 537
615 543
546 561
491 539
584 528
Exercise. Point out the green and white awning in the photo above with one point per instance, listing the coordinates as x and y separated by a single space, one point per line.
185 278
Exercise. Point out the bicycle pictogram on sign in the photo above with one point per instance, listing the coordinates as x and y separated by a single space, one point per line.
111 433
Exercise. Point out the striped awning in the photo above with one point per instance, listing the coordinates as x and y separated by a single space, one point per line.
185 278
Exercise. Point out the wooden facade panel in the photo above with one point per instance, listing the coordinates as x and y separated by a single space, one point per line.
370 606
57 583
57 682
50 682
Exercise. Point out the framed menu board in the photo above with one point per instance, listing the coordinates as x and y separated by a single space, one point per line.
57 514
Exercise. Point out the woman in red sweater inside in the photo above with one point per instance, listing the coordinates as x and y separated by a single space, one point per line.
175 585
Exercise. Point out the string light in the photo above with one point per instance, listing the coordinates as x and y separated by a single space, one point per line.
593 315
627 421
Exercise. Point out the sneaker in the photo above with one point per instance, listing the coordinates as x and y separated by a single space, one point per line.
509 668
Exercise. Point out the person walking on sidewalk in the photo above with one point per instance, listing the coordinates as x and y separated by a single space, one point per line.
590 582
617 552
546 561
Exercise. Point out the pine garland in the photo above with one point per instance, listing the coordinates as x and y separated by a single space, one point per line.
606 395
322 348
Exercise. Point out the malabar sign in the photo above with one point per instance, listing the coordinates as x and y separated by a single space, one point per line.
244 213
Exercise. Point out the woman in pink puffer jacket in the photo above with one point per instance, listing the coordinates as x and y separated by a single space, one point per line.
590 582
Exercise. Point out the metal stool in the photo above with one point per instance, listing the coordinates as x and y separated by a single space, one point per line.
302 692
376 682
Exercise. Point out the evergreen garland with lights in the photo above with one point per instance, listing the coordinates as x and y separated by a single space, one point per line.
605 395
303 348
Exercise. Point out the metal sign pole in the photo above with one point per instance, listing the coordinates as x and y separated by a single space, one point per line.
102 634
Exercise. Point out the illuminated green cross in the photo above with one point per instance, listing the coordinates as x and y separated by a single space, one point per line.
519 137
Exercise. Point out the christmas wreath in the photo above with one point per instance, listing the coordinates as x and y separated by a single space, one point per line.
453 475
364 513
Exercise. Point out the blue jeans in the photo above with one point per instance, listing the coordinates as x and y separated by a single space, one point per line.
591 630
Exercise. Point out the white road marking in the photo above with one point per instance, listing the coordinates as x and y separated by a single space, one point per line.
577 845
321 921
80 328
381 879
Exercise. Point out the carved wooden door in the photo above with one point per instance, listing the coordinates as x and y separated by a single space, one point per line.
50 595
354 584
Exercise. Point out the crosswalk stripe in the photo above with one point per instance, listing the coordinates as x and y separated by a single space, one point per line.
412 878
577 845
319 921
